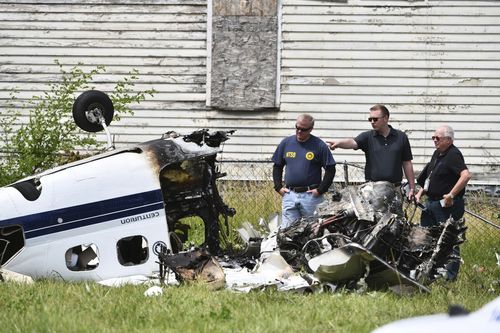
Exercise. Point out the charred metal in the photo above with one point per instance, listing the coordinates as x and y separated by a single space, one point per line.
363 236
360 239
188 183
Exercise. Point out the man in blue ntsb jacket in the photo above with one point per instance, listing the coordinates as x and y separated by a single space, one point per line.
304 155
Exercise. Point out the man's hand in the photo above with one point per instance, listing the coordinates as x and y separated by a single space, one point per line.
411 195
283 190
314 192
448 200
332 144
419 195
348 143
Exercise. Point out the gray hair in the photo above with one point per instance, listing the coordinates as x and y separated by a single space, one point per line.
448 131
307 117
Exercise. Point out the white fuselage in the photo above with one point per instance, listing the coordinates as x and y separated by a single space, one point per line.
99 202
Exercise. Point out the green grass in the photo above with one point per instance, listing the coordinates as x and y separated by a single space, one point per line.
54 306
50 306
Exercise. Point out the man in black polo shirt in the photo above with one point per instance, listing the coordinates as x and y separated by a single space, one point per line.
387 150
443 180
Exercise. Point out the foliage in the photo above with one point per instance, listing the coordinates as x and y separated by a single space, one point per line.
38 144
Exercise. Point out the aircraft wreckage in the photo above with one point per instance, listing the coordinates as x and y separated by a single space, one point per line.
109 215
115 216
359 238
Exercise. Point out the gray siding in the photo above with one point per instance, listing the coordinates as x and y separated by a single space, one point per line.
430 62
164 40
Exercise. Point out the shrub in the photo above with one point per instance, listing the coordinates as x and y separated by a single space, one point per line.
50 137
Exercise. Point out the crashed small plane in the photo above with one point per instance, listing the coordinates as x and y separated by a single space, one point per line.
360 239
117 215
109 215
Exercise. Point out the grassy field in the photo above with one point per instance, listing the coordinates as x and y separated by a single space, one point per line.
50 306
55 306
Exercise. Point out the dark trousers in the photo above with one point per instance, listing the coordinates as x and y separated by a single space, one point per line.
435 215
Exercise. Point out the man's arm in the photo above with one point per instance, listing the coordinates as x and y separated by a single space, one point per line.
465 176
343 143
277 179
327 179
410 176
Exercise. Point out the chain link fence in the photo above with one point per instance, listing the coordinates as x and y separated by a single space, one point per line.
248 187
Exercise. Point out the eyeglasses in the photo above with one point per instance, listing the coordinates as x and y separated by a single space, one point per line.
374 119
302 129
438 138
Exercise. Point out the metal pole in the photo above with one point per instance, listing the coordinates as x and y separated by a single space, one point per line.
479 217
346 174
482 219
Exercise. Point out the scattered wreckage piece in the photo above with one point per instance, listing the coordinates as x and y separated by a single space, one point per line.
153 291
269 272
8 276
230 273
109 215
195 265
352 263
244 271
457 320
364 237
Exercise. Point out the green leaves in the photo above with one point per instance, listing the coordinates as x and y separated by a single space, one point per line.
49 136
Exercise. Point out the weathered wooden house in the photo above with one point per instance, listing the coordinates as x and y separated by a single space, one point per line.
254 65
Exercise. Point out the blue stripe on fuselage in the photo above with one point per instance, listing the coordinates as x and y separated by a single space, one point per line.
44 223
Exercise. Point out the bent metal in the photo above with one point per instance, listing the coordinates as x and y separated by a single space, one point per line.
167 179
360 239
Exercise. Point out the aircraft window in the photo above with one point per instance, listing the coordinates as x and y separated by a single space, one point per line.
83 257
132 250
11 242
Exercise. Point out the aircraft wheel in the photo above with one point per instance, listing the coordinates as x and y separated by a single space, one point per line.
88 101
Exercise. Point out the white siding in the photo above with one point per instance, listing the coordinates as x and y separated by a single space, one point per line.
430 62
164 40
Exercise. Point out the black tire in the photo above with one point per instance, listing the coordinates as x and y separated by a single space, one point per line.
90 100
27 189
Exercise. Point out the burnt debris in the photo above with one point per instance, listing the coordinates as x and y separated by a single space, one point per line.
365 235
359 239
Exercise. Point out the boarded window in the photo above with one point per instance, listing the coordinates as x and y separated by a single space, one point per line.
243 55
